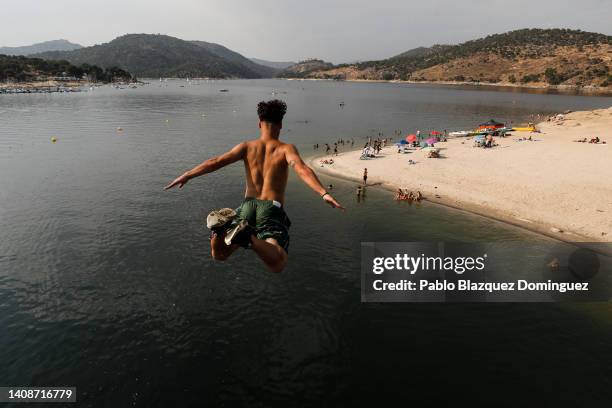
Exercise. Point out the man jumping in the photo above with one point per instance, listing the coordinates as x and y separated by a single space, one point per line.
260 222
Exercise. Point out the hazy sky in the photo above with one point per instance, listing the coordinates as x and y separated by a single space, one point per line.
335 30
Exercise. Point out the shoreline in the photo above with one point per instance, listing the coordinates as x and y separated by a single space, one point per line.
43 86
561 89
449 203
547 214
53 86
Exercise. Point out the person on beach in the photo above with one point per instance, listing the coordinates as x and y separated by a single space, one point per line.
260 222
365 176
400 195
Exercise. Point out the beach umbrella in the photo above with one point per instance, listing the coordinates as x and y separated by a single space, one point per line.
435 132
403 142
432 140
411 138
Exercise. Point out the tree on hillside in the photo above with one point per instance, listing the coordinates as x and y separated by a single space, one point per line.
552 76
20 69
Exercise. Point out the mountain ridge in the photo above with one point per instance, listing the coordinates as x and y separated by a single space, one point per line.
273 64
156 55
541 57
236 57
45 46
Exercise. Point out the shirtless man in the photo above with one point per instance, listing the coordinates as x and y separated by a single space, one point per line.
260 222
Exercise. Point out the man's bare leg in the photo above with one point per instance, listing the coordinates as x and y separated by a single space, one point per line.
219 250
273 255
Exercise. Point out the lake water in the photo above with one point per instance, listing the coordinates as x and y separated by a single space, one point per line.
107 284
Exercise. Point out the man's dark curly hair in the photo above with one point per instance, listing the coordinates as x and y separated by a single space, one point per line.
272 111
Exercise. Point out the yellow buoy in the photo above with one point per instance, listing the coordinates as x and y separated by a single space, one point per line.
53 140
119 129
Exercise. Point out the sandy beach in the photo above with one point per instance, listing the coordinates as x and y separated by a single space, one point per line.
551 184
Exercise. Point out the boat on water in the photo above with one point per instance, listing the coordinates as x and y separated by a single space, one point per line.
492 127
468 133
492 124
459 133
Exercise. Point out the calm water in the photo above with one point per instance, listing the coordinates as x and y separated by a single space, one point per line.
107 284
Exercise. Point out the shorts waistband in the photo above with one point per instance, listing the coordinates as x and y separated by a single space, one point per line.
274 202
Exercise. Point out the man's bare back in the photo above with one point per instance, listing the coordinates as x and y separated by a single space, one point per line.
266 169
260 220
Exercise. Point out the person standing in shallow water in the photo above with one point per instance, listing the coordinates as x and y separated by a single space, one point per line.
365 176
260 223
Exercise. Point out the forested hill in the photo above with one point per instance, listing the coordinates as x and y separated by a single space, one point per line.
154 55
233 56
540 56
22 69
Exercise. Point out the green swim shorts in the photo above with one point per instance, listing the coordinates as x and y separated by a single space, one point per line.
268 220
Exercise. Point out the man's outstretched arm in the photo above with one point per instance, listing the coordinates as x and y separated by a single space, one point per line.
308 176
210 165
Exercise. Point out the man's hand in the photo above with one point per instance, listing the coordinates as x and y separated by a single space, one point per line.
332 201
179 181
